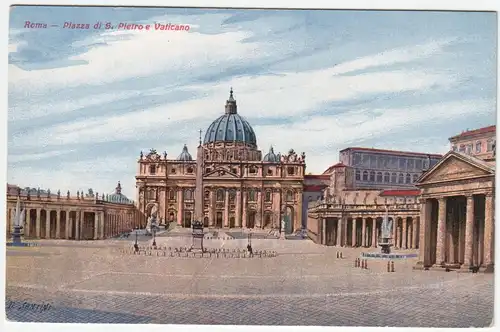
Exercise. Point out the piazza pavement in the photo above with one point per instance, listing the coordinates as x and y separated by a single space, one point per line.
62 281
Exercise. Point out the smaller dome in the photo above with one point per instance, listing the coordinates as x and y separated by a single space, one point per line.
118 197
185 156
271 156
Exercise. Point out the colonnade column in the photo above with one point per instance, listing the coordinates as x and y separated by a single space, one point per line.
395 232
363 232
469 231
68 225
489 232
339 231
441 232
96 225
102 224
58 224
374 232
415 233
226 209
38 212
424 256
353 235
404 244
27 224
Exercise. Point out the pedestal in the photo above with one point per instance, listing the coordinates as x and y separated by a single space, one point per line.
16 235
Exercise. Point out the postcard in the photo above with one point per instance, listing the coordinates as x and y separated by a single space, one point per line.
257 167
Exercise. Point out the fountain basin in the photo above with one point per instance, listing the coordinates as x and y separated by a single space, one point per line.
395 255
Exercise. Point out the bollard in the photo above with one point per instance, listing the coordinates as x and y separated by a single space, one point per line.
362 265
392 266
340 254
337 254
388 266
356 262
366 263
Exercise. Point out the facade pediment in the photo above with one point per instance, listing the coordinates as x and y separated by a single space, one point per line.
455 167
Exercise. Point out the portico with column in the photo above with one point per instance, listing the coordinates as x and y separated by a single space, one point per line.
457 214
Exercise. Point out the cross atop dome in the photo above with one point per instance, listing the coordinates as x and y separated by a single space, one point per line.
231 103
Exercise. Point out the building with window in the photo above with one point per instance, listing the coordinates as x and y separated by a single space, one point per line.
478 142
228 183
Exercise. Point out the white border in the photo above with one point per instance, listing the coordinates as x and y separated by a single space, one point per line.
456 5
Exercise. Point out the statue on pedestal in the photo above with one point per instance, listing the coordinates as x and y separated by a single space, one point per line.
386 229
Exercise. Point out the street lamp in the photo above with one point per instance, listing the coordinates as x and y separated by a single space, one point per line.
136 246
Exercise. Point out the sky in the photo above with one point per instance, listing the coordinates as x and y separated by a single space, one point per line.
84 103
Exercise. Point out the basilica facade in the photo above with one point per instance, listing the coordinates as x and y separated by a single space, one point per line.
227 184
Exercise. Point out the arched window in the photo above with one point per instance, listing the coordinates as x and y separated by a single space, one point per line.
387 177
251 195
172 195
454 148
232 195
394 178
365 175
401 178
190 170
188 194
469 148
379 176
462 149
268 196
291 170
415 178
478 147
289 196
372 176
152 169
220 195
207 195
358 175
408 178
252 170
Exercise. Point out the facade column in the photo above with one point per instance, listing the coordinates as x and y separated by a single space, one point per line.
323 230
180 206
345 224
409 241
415 233
48 217
441 233
353 235
298 220
424 256
58 224
211 207
226 209
237 216
363 233
374 232
258 216
339 231
469 232
244 209
489 232
96 225
101 224
38 213
404 244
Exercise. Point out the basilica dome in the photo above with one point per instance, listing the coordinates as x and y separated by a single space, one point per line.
230 127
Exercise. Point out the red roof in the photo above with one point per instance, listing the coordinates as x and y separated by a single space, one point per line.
317 176
337 165
315 187
395 152
468 133
400 192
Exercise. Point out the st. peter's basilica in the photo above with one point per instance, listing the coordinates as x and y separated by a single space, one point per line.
227 184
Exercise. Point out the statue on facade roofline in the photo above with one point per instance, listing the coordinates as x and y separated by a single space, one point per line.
58 193
67 195
165 155
48 193
38 193
141 155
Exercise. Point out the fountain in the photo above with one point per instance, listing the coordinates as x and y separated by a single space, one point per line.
18 226
385 242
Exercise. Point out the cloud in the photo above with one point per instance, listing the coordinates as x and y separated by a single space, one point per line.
15 158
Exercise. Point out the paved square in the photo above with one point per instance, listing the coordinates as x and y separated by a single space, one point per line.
305 284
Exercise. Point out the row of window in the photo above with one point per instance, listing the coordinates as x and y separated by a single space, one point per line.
386 177
153 169
220 195
390 162
467 148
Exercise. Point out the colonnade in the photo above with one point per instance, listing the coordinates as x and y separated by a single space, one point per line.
71 224
365 231
457 230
